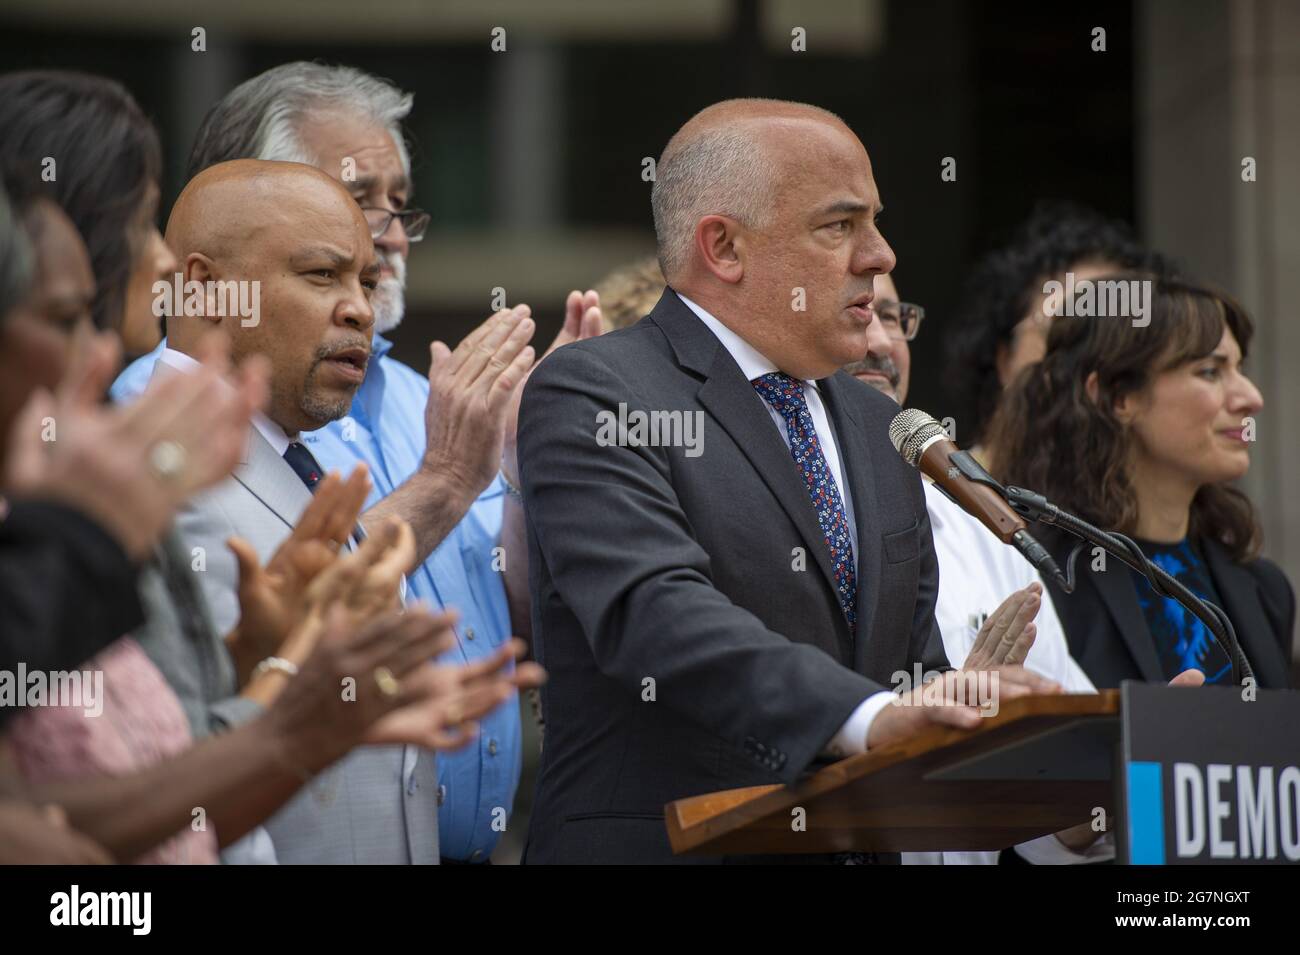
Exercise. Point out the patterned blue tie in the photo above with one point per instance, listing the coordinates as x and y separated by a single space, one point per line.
785 394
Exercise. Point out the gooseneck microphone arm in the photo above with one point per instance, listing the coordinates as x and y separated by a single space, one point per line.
1036 507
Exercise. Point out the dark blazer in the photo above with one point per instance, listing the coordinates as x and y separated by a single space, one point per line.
686 652
67 589
1108 634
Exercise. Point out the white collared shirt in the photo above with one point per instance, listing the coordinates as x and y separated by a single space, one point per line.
753 364
267 428
852 736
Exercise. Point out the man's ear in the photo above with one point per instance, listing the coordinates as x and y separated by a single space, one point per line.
719 243
199 268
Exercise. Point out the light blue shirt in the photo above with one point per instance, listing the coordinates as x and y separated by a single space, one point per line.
386 430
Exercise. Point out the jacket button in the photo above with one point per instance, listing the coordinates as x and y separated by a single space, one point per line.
442 795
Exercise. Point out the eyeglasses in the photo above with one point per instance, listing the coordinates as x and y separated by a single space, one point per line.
414 221
902 320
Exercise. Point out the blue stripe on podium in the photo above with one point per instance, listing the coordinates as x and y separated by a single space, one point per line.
1146 814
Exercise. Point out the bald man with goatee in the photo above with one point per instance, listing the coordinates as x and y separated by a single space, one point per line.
730 560
290 239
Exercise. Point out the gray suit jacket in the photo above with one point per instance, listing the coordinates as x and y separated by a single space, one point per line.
690 649
378 804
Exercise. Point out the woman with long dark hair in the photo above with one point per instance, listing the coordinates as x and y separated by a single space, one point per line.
1139 425
97 155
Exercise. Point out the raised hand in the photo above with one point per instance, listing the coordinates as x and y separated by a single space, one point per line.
471 394
353 678
451 699
131 467
1008 633
274 599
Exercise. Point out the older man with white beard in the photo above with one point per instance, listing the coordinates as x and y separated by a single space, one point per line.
441 449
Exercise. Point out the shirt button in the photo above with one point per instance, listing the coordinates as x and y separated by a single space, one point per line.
442 795
492 747
469 633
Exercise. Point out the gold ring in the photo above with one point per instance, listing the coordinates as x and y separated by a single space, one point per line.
386 682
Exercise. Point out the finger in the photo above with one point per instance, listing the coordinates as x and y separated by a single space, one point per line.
398 554
572 314
980 646
487 336
1189 678
392 632
1018 652
505 354
1020 676
450 740
527 676
1000 623
503 390
479 702
593 323
478 357
311 525
962 717
246 559
511 650
342 521
439 362
1011 635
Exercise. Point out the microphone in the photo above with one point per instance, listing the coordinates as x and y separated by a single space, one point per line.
924 445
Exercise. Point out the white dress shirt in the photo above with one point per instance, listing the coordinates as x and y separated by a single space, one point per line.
852 736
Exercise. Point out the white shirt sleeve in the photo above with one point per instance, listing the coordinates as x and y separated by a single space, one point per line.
852 737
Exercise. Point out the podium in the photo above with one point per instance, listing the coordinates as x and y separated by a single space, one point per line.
1042 764
1184 777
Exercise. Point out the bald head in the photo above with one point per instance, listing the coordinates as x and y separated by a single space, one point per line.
227 208
728 159
291 249
766 217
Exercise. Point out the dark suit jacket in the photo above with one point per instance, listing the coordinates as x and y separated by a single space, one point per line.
67 589
685 653
1109 638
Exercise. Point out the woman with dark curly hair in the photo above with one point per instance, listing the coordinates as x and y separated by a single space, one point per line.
1002 326
1140 428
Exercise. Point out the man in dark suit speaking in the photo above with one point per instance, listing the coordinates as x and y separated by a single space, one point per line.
729 559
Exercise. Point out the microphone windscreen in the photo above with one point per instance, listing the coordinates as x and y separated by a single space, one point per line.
911 431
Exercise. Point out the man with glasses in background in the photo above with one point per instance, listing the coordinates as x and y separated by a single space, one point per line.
440 449
977 572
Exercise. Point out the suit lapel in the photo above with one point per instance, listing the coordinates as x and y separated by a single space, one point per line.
870 656
1119 594
738 409
268 477
1239 591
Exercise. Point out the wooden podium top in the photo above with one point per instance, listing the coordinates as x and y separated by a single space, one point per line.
1040 765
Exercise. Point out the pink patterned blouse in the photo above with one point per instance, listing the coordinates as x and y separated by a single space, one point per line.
140 725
